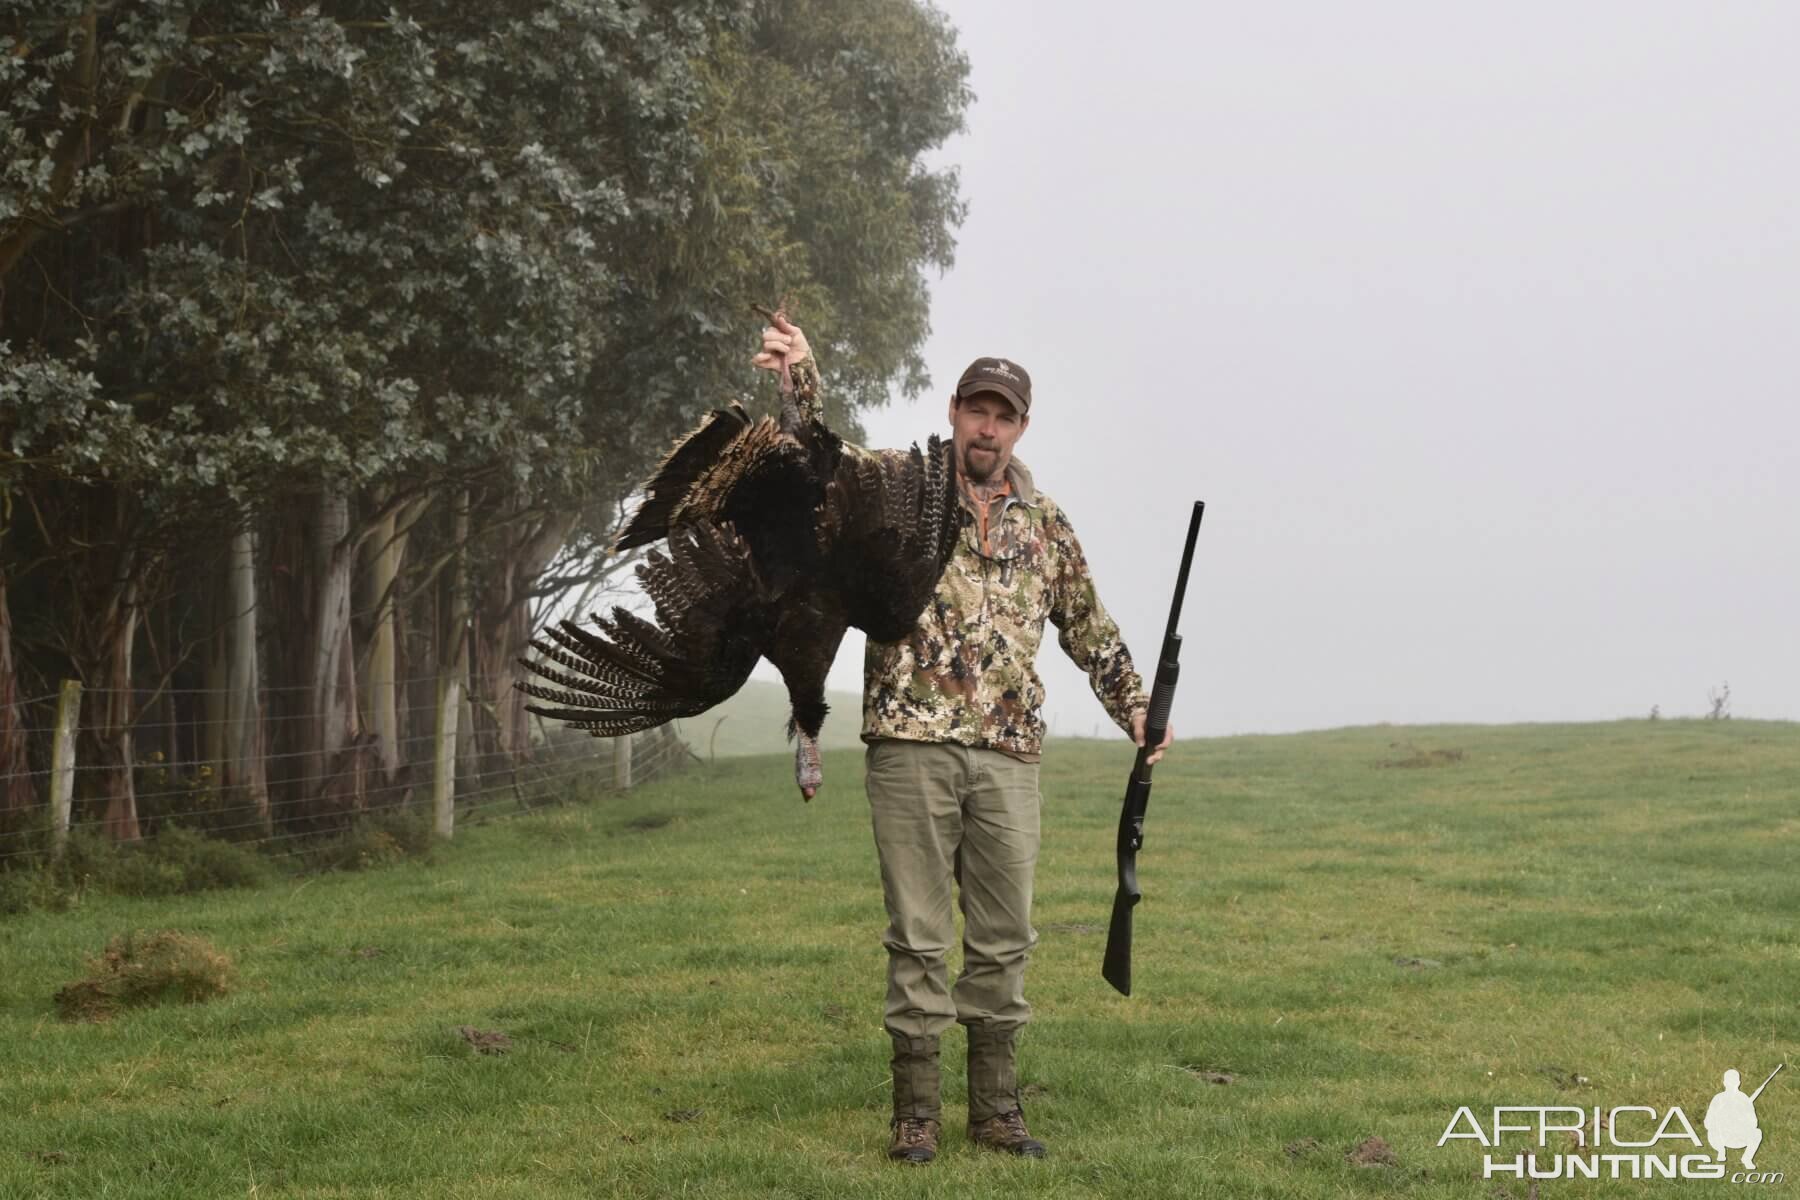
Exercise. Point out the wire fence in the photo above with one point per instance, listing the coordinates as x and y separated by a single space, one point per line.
289 791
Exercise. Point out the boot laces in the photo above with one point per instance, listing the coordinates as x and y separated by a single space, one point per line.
912 1131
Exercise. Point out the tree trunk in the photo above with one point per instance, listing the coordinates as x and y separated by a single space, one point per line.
112 728
503 632
99 609
333 778
453 658
416 631
383 699
16 796
169 726
216 678
244 771
381 567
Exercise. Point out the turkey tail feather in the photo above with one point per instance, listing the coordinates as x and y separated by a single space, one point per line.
892 525
630 673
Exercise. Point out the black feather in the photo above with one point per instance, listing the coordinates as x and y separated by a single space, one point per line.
777 538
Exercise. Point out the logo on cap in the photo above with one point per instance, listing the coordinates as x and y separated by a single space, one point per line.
987 373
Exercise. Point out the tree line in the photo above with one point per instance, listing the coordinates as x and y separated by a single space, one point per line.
334 337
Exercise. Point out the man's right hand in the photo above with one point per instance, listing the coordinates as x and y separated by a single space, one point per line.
784 345
1138 716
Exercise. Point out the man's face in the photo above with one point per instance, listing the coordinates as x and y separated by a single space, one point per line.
983 428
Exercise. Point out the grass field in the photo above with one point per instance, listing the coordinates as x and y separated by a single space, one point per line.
1362 929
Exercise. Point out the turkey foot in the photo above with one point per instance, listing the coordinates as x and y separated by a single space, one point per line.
808 772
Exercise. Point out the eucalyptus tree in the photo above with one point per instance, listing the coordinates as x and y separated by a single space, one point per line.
270 262
318 273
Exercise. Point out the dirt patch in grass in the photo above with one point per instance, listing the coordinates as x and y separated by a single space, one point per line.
138 969
1372 1152
1210 1074
485 1041
1565 1080
1412 756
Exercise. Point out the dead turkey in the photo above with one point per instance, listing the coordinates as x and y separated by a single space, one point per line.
777 537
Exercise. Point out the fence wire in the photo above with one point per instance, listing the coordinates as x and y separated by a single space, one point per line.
173 789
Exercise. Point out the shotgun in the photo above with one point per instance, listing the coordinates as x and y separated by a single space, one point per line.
1117 965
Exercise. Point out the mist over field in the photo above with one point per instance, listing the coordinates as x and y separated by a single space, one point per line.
1473 325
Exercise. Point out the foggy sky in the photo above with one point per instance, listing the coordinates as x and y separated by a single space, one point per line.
1474 326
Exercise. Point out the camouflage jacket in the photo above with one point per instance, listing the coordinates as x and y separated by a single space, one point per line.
966 674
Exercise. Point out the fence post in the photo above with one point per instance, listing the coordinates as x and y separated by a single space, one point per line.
62 763
443 780
622 763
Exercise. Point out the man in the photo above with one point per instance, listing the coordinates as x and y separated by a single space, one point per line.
951 715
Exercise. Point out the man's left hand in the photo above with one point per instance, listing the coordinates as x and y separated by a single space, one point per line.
1137 735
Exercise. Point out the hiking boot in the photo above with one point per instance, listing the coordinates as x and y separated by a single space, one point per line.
915 1140
916 1103
1006 1131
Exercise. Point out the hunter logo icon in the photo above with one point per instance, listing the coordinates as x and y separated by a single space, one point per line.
1624 1141
1731 1119
1001 367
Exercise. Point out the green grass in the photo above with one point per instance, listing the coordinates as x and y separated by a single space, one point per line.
1610 901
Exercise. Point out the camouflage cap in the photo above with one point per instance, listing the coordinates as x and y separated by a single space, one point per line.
1000 375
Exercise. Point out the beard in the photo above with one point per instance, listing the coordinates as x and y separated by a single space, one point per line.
983 469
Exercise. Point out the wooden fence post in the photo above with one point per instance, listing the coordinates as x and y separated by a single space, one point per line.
62 763
622 763
443 780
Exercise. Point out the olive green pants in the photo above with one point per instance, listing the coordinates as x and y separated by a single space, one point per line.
954 817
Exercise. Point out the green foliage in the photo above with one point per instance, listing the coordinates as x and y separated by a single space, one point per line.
367 245
25 889
177 861
817 121
378 838
89 862
378 241
192 798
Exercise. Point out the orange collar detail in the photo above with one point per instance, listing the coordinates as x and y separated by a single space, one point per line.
981 510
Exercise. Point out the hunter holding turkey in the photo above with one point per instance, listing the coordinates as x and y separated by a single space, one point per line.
952 718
